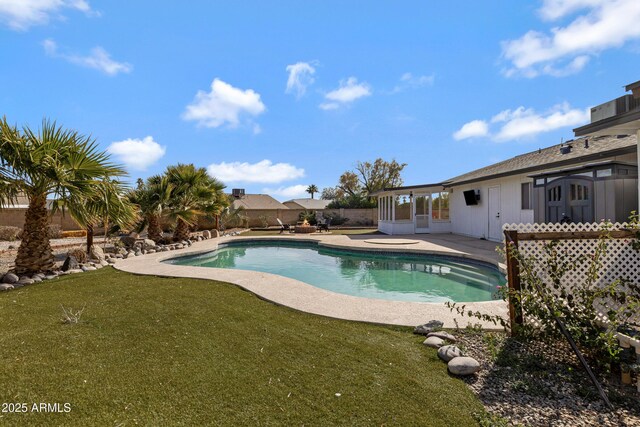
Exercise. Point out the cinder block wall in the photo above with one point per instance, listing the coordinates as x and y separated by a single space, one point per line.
14 217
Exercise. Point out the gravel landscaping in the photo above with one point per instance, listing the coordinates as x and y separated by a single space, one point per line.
531 384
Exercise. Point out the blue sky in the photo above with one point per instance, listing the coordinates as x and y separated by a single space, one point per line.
274 96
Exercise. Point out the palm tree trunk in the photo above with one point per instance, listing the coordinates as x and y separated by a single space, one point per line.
34 254
182 231
89 238
154 231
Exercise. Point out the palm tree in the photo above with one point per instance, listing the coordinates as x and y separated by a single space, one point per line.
152 197
52 161
108 205
195 194
312 189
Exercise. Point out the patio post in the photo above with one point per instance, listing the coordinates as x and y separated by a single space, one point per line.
513 278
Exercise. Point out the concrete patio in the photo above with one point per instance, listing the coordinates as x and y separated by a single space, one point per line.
304 297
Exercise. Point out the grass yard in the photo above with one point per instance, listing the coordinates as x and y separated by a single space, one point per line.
163 351
346 231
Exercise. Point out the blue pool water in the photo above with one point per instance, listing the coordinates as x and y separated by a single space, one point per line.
400 277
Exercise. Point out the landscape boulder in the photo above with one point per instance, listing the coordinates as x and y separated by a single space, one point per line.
96 253
442 334
5 287
71 263
148 244
463 365
448 352
206 234
10 278
434 342
430 326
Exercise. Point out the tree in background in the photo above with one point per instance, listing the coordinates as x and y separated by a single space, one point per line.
312 189
52 161
355 187
152 197
195 194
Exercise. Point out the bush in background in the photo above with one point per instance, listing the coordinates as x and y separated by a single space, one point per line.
79 254
336 218
9 233
55 231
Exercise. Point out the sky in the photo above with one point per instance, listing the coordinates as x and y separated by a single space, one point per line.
274 96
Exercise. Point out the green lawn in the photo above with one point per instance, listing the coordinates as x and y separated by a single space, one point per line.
160 351
333 231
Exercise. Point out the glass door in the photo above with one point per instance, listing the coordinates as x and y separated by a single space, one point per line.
422 204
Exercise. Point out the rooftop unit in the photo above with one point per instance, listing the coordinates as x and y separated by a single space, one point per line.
618 106
237 193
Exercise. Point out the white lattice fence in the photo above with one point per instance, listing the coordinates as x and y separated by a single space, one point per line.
620 260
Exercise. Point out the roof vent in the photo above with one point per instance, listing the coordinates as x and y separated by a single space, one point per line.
586 143
565 149
237 192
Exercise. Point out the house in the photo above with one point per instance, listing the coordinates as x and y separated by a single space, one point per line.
307 204
256 202
581 180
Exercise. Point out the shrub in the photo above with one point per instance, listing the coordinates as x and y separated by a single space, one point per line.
55 231
335 218
73 233
79 254
545 298
9 233
310 217
264 221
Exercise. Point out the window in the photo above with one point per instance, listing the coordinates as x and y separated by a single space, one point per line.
403 207
539 181
603 172
440 206
526 195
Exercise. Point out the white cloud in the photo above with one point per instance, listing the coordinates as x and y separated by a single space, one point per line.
137 154
409 81
224 104
603 24
473 129
292 192
99 59
264 171
300 76
21 14
524 123
349 91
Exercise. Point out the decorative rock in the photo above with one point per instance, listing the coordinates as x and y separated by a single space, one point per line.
442 334
430 326
463 365
96 252
10 278
5 287
50 277
39 275
70 263
151 251
85 268
206 234
111 261
138 253
74 271
434 342
119 256
215 233
103 263
36 279
128 240
148 244
98 266
179 246
448 352
25 281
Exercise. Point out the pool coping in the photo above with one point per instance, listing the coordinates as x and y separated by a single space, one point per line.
310 299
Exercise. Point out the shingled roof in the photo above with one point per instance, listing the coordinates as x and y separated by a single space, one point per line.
582 150
257 201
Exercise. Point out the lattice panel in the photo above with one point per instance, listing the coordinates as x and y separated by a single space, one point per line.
619 261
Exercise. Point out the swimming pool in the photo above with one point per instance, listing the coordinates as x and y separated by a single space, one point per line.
389 276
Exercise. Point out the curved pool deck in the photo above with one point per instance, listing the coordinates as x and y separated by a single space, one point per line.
304 297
